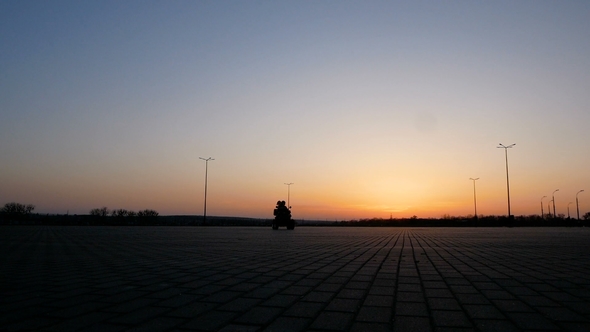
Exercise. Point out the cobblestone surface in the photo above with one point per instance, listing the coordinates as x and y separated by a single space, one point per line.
310 279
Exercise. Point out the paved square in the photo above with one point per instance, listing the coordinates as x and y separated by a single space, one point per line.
309 279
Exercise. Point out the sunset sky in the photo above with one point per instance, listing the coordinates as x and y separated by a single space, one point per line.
371 108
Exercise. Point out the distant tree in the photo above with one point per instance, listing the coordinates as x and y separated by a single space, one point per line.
119 213
101 212
16 210
131 214
586 216
147 213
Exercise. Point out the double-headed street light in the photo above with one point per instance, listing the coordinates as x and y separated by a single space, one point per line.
474 198
577 206
553 200
289 194
507 181
542 214
205 205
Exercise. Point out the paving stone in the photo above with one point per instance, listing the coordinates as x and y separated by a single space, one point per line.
472 299
562 315
81 322
318 297
539 301
239 328
381 290
374 314
212 321
327 287
495 325
331 320
409 288
579 307
296 290
450 319
305 309
351 293
577 327
139 316
281 300
193 309
410 324
379 301
435 284
77 310
221 297
411 309
512 306
454 329
410 297
288 324
240 304
370 327
346 305
497 294
158 324
34 324
444 304
103 326
435 292
463 289
479 311
532 321
259 315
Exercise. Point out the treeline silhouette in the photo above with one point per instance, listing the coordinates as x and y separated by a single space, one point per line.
21 214
470 221
104 216
122 213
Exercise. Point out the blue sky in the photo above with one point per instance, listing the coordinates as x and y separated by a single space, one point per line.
370 108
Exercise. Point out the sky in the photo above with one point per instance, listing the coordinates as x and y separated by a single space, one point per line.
372 109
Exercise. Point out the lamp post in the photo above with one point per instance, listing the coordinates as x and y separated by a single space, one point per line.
289 194
568 210
474 197
205 205
507 181
553 200
542 214
577 206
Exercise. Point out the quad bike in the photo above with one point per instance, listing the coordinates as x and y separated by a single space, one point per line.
282 217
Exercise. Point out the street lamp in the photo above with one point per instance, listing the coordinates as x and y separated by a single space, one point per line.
542 214
577 206
205 205
568 210
507 181
289 194
553 200
474 197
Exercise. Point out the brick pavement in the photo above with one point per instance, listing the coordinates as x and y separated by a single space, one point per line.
310 279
